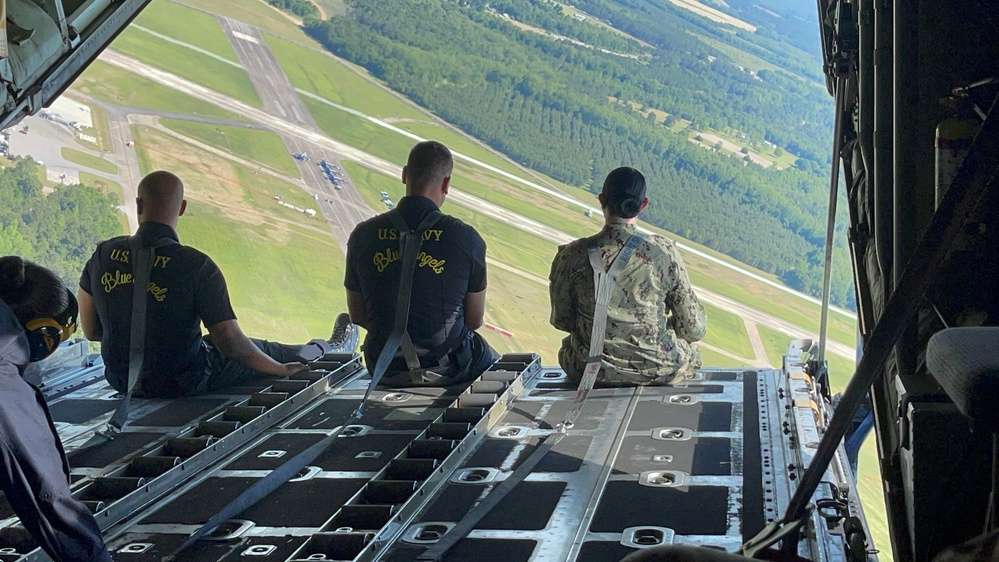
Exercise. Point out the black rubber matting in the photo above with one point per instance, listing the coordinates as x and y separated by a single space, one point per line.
509 514
693 510
294 504
81 410
180 412
723 376
702 456
342 455
700 416
474 550
525 413
123 446
599 551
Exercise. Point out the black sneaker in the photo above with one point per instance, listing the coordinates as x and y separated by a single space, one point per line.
345 334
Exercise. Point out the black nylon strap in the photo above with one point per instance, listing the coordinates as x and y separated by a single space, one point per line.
260 489
410 240
480 510
143 260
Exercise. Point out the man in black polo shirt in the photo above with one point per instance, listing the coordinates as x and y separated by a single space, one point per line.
185 289
449 285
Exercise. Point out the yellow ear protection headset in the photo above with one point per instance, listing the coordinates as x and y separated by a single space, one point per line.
45 333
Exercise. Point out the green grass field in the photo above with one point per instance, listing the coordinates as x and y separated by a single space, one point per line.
200 29
284 270
321 74
197 67
258 145
88 160
723 281
338 82
727 331
711 358
289 292
119 87
775 344
254 12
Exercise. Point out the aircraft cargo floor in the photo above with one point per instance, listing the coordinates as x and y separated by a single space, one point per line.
641 466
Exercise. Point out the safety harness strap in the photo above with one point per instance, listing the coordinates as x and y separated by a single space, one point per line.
604 281
410 240
143 259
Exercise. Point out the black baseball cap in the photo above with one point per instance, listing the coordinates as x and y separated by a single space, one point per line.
624 191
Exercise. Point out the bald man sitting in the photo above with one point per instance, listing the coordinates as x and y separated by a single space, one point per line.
185 289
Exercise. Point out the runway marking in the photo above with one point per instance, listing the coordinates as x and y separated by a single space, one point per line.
245 37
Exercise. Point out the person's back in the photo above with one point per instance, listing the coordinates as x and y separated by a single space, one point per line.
448 290
448 267
653 314
185 289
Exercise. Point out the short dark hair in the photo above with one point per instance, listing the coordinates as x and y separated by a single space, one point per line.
32 290
624 191
428 161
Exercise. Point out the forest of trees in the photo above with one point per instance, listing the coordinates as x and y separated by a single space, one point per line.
301 8
547 103
58 230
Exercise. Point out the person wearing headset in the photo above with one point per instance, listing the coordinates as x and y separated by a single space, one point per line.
37 313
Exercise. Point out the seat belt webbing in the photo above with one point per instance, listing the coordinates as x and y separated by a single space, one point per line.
604 282
142 260
410 241
142 267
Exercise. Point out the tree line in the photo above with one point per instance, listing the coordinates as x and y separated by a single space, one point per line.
58 230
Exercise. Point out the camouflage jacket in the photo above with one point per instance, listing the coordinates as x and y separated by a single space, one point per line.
653 314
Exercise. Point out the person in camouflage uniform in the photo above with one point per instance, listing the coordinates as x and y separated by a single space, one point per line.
653 315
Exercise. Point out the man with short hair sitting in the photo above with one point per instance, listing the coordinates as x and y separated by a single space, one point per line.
449 283
186 288
653 316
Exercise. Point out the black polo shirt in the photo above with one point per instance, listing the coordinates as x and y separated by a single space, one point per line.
452 263
186 288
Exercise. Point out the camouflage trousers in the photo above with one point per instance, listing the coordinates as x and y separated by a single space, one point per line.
611 375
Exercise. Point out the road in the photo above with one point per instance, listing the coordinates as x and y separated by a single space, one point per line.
350 153
128 164
343 208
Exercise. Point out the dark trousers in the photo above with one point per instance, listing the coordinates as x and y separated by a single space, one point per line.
224 372
35 478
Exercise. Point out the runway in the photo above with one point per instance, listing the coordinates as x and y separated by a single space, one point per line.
341 208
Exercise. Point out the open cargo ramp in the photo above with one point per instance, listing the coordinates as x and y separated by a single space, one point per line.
707 462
